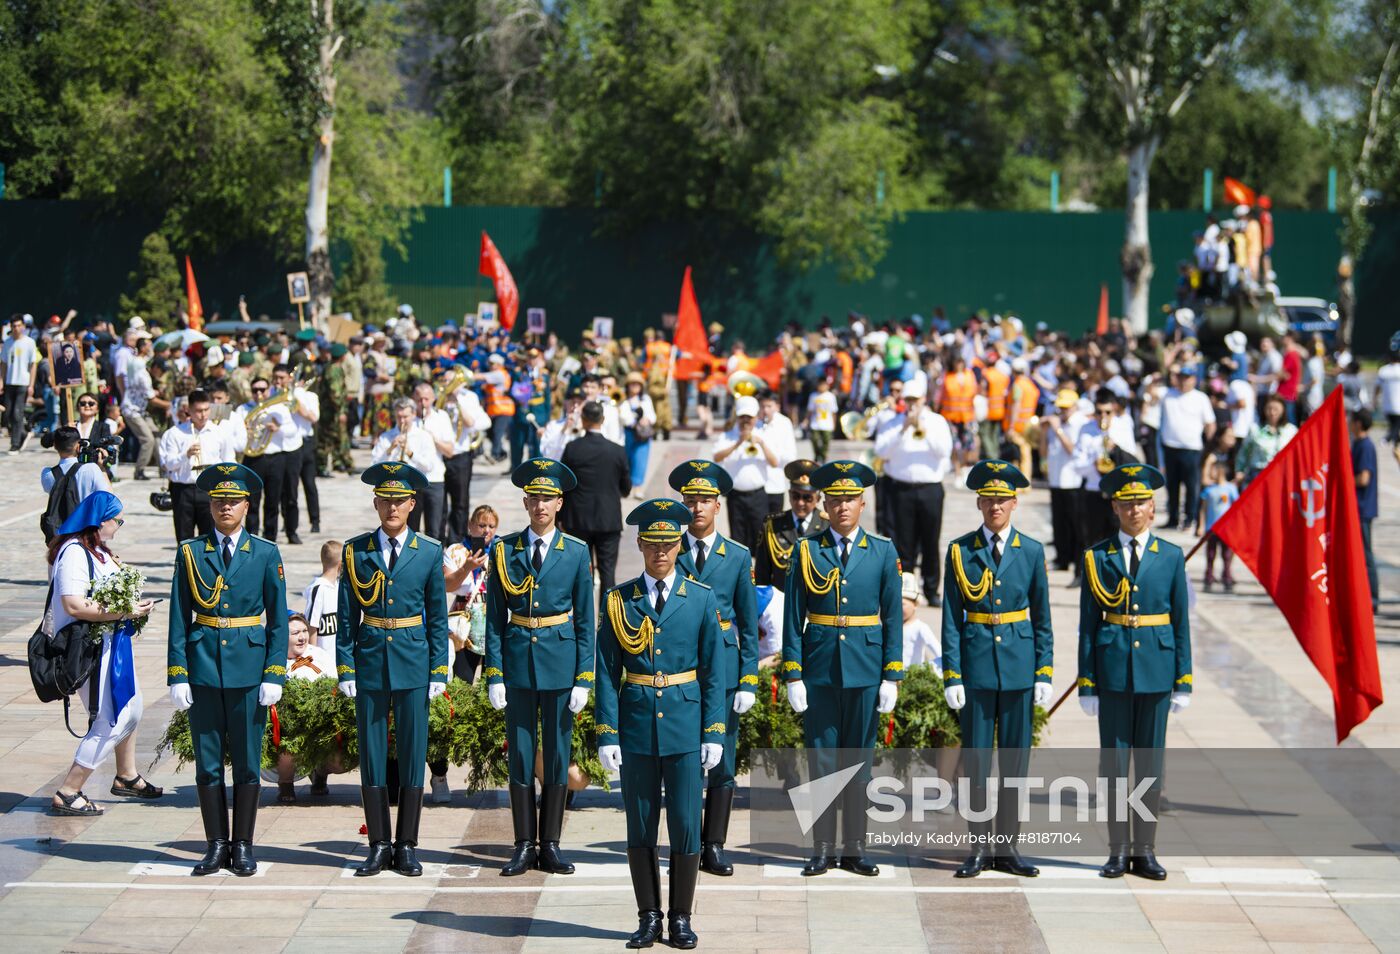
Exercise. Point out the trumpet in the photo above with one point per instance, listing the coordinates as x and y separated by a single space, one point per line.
1105 462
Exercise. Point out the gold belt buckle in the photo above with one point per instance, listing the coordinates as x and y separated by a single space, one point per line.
658 680
996 619
841 620
534 622
223 622
1133 621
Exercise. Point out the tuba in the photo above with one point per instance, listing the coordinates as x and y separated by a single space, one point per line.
447 387
257 422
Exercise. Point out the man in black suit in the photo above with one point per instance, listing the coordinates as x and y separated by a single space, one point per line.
593 510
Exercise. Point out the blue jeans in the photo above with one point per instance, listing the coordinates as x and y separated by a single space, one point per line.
638 453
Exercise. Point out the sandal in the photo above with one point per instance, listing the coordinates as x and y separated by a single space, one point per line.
136 787
88 809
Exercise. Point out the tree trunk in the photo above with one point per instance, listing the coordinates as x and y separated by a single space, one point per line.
1136 257
318 190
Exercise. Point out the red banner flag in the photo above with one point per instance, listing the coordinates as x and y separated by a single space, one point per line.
770 369
1296 527
507 295
193 307
694 359
1101 326
1237 193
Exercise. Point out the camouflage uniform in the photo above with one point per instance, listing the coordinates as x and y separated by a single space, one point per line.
333 429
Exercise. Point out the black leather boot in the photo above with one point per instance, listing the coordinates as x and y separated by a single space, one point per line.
853 805
381 853
406 835
981 858
1142 860
685 872
715 829
213 809
522 815
646 885
1117 862
245 815
552 802
1007 858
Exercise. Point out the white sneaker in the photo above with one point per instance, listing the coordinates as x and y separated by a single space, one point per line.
442 795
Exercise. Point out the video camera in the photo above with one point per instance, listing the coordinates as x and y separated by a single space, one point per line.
88 450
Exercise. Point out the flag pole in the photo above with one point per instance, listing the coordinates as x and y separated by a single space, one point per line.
1199 543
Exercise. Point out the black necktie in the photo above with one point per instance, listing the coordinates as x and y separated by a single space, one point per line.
996 549
228 552
393 553
845 550
660 596
801 526
1133 560
699 556
538 560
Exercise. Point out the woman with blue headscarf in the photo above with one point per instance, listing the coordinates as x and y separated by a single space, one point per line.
80 555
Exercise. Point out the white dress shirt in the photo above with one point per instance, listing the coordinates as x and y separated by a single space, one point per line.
1185 415
782 441
1126 542
383 540
472 419
438 427
916 460
419 451
651 582
306 401
530 537
748 469
1088 447
556 436
1004 537
690 541
175 444
1059 463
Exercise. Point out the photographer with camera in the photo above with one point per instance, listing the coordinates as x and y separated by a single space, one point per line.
78 474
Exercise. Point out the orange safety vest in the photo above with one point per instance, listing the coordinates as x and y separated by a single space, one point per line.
657 351
498 402
1025 399
959 388
846 372
998 383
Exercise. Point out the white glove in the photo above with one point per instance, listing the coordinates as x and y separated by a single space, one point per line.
1040 695
1180 700
743 701
497 694
269 693
610 756
889 693
710 754
180 696
1090 705
347 688
436 689
956 697
797 696
578 698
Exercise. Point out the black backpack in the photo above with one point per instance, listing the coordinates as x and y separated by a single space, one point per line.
63 500
60 663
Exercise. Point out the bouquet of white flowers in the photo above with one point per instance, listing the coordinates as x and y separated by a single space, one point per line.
119 592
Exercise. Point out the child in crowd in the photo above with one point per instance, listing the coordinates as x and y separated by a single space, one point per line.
920 645
1216 498
821 419
321 595
305 660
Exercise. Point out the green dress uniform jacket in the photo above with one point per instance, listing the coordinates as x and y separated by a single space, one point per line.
383 659
1115 656
834 651
660 720
729 575
557 656
774 553
996 655
218 655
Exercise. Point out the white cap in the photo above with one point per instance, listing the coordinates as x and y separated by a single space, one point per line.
916 387
136 322
496 359
746 405
1019 365
909 586
1236 342
214 358
1015 322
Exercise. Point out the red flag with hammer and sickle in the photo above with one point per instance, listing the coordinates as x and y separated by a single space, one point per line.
1296 527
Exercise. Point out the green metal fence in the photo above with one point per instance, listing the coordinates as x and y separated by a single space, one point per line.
1041 265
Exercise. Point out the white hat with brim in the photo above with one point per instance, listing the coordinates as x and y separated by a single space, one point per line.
1237 342
746 405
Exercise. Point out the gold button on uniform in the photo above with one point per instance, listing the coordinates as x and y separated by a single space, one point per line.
389 638
658 693
391 601
1136 644
534 639
843 599
998 582
391 582
1135 589
225 606
998 639
998 602
223 642
1135 606
660 714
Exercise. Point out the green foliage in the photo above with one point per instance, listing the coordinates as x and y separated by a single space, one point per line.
156 286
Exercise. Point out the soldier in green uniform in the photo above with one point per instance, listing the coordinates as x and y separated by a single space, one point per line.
781 531
997 654
727 569
392 653
240 379
333 428
539 657
843 649
660 714
227 660
1134 656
